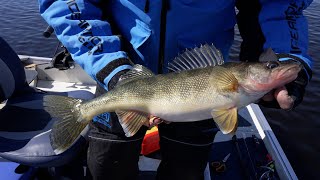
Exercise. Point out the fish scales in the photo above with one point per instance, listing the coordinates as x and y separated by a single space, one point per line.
176 93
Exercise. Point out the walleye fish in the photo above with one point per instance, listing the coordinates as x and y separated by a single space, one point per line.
200 87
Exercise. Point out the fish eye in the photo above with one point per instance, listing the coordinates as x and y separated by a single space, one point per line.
272 64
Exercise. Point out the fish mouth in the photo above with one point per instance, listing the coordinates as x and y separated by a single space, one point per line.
289 72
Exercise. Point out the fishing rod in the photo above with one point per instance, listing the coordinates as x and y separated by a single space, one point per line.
61 60
241 159
47 33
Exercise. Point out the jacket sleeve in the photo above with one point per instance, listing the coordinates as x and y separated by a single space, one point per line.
79 26
285 29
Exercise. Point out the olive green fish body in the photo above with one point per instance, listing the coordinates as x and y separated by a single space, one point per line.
177 97
201 87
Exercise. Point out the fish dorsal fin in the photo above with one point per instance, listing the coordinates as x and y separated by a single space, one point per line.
227 120
131 121
206 55
137 72
268 55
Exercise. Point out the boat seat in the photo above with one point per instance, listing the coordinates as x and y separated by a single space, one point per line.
25 129
24 124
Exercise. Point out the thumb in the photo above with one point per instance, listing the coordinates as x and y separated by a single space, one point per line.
284 100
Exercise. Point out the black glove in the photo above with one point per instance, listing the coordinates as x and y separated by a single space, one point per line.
296 88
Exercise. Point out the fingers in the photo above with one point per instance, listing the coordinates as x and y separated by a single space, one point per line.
153 121
285 101
279 98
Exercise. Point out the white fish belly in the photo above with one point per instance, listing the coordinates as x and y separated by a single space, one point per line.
181 113
186 117
193 109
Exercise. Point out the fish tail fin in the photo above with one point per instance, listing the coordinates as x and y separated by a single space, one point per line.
69 123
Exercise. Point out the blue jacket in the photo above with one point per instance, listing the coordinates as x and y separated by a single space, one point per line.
153 32
97 33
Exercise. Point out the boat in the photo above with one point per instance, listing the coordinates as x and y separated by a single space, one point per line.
26 153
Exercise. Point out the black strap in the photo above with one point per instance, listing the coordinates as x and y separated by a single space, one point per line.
163 27
147 6
250 30
104 72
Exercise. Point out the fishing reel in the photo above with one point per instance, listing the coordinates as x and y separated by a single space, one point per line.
61 60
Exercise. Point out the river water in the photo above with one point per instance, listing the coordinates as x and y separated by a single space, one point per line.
298 131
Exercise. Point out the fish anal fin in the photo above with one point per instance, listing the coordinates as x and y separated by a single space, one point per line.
131 121
227 120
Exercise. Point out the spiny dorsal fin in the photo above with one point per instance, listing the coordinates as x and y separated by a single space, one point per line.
206 55
268 55
131 121
137 72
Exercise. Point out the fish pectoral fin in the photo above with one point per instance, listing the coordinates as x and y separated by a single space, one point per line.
227 120
226 82
131 121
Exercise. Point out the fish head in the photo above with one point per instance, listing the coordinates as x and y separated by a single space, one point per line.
265 76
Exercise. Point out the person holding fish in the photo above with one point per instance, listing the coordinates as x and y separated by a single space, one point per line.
163 60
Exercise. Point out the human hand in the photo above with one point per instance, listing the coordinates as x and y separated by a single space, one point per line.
279 98
154 120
